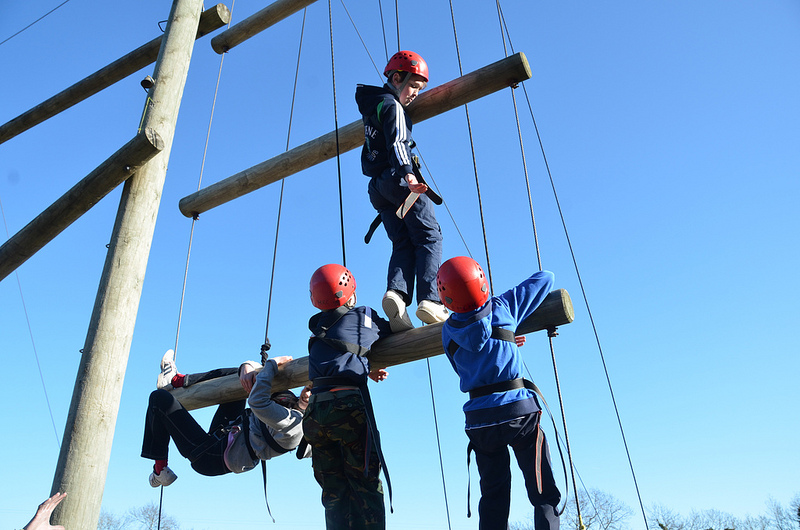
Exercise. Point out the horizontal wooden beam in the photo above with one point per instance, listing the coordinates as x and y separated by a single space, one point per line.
211 19
496 76
254 24
78 200
413 345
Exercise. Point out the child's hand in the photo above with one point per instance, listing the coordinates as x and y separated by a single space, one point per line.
302 402
415 186
378 375
281 360
520 340
247 376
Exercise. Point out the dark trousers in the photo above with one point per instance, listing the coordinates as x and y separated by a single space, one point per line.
416 239
526 438
166 418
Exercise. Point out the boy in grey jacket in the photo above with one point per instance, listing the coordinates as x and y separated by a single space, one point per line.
238 437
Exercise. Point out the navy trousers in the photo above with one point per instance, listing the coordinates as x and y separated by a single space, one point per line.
416 239
526 438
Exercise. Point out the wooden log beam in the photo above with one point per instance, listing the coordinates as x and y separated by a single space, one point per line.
211 19
413 345
254 24
78 200
496 76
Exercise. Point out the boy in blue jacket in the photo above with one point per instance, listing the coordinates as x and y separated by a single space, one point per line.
339 423
387 159
478 339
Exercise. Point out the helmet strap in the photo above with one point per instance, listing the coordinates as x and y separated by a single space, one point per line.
403 84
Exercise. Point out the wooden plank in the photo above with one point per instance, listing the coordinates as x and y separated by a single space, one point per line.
496 76
254 24
401 348
212 19
78 200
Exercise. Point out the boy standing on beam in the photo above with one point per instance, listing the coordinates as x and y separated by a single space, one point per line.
396 192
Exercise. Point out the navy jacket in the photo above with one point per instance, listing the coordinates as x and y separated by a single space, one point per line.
387 132
361 326
481 360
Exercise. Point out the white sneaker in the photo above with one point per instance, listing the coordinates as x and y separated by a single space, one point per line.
395 310
431 312
165 478
168 371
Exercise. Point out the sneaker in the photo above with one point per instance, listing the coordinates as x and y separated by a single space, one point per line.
431 312
168 371
165 478
395 309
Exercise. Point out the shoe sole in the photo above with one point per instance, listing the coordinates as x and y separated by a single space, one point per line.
393 311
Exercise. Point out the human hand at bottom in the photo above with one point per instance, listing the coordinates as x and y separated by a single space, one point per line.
41 521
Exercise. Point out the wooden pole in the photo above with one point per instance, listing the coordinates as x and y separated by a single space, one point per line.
254 24
86 449
418 343
212 19
504 73
78 200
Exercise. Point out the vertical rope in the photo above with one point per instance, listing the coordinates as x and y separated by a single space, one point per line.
474 161
397 24
191 231
199 182
438 442
383 29
336 128
283 181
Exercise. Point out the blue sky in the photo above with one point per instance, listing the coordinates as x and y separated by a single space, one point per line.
671 133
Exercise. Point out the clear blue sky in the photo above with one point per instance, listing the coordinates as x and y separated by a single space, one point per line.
671 129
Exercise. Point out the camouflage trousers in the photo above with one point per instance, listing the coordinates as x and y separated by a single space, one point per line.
335 425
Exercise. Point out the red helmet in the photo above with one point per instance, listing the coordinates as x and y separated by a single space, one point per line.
331 286
407 61
462 284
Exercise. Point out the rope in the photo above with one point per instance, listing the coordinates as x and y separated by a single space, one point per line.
336 130
438 442
583 290
199 183
474 161
191 230
383 29
30 332
362 40
521 144
265 347
32 23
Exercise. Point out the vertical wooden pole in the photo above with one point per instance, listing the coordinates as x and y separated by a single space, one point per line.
86 449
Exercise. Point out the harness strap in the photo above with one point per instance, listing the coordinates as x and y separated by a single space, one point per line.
497 333
502 386
372 227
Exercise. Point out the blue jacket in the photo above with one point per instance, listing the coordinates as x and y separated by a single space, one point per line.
359 327
387 132
481 360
